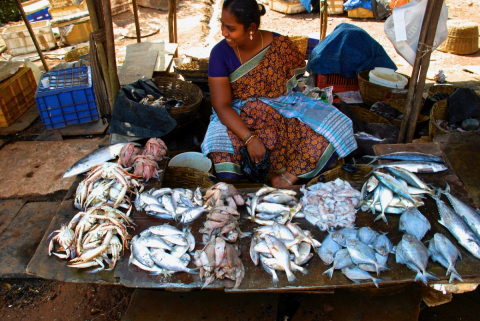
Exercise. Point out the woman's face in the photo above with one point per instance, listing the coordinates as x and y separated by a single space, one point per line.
234 32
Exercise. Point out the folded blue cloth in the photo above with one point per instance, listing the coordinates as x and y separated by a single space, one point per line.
347 51
354 4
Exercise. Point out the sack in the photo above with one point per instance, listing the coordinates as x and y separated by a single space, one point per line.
404 25
462 104
255 172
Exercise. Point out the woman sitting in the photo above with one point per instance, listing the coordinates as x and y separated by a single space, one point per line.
253 81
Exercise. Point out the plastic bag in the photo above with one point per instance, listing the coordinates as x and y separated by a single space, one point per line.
255 172
408 19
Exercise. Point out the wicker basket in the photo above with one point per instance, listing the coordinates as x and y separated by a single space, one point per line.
187 177
446 89
367 115
301 42
78 53
371 93
462 38
194 70
399 105
189 93
338 172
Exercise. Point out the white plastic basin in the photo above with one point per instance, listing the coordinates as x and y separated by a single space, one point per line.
192 160
388 78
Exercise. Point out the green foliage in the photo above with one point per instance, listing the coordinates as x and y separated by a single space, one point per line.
9 11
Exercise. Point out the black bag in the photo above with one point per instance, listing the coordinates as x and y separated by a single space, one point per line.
462 104
255 172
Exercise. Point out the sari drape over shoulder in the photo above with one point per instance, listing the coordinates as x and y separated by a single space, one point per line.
304 135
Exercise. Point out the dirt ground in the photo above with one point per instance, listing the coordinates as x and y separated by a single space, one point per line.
33 299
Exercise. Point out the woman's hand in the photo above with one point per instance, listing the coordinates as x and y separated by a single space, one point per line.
256 150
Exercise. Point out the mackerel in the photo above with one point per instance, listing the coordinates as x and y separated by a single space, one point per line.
407 176
393 184
408 156
415 167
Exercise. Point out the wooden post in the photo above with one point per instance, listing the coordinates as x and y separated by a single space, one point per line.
172 23
30 31
137 23
110 48
324 20
422 61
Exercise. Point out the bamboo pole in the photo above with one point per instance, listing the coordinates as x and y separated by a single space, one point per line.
32 34
110 48
102 58
426 53
137 23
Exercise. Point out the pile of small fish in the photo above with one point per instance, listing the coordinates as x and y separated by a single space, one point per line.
330 205
220 193
393 194
162 249
365 251
222 221
91 236
271 246
219 260
270 205
180 204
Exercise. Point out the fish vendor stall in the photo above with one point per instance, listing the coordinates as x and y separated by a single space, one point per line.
264 239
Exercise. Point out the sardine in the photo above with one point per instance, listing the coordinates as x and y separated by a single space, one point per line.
95 158
170 262
408 156
160 192
162 230
187 201
157 209
362 253
386 196
178 239
167 203
414 223
382 244
328 250
342 260
443 251
345 234
280 252
192 214
142 254
355 274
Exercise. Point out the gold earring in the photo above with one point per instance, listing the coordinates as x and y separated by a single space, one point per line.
251 36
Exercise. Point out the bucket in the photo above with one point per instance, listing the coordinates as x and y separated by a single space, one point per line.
388 78
192 160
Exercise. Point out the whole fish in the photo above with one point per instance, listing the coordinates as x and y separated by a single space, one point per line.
280 252
365 136
382 245
355 274
469 215
342 260
386 196
178 239
408 177
273 263
170 262
414 223
444 252
142 254
304 254
95 158
168 204
459 229
366 235
414 254
381 260
272 208
388 210
328 250
408 156
376 197
265 190
345 234
278 198
192 214
393 184
162 230
144 199
158 209
362 253
415 167
372 184
160 192
269 270
153 241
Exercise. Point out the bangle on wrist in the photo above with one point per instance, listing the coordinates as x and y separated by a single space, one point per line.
250 139
247 138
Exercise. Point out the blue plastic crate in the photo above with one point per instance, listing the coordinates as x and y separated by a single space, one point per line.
312 43
69 98
39 15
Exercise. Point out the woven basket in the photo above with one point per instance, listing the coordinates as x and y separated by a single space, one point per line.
301 42
189 93
77 53
187 177
367 115
399 105
338 172
462 38
446 89
194 70
371 93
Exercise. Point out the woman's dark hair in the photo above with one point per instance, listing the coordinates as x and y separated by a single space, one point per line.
245 11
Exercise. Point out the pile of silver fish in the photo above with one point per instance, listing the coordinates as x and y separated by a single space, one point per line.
222 221
91 236
411 161
270 205
282 248
222 194
393 194
330 205
365 251
180 204
219 260
162 249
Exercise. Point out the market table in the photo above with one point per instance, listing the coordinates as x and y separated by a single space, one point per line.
256 279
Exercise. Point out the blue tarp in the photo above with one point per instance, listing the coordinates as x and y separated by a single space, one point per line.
347 51
354 4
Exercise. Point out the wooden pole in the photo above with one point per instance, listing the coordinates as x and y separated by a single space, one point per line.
137 23
110 47
426 53
325 19
30 31
102 58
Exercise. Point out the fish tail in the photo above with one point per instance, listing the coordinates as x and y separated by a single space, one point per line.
381 216
373 169
329 272
421 277
447 188
374 159
193 271
454 276
376 281
275 279
290 276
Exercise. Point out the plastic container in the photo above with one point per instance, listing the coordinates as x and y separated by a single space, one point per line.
192 160
335 6
312 43
17 94
66 97
76 33
339 82
37 10
388 78
19 42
